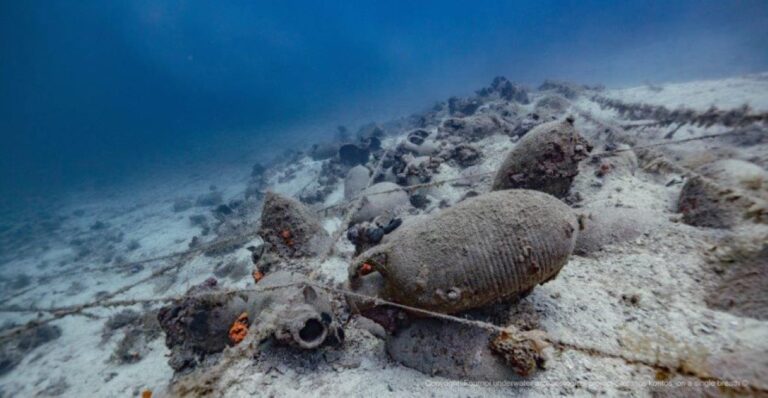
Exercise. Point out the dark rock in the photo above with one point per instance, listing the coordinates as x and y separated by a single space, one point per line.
198 220
14 348
566 89
474 128
370 130
375 234
506 90
198 325
234 270
419 201
118 321
323 151
716 198
133 245
528 123
742 286
138 331
222 212
99 225
392 225
373 143
209 199
181 204
465 155
20 281
257 170
463 106
352 155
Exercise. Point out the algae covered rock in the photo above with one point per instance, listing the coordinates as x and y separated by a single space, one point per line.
546 159
290 227
487 248
198 325
474 128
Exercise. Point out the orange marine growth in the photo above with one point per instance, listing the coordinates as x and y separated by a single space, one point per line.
239 329
287 237
146 394
257 276
365 269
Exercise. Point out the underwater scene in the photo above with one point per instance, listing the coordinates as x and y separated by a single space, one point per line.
383 198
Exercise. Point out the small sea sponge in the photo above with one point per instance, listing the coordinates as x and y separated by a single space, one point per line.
290 227
523 351
239 329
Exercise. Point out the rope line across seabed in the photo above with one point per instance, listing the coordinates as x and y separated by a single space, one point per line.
673 365
106 302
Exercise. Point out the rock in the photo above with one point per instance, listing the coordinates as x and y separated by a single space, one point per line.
315 192
717 205
375 203
474 128
419 201
484 249
137 334
465 155
546 159
528 123
234 270
356 181
290 228
370 130
368 234
198 325
222 212
463 106
352 155
209 199
119 321
741 290
568 90
257 170
182 204
14 348
323 151
502 88
419 143
408 169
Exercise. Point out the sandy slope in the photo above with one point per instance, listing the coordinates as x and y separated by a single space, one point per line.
645 297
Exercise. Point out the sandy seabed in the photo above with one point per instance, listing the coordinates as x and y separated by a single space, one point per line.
649 297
